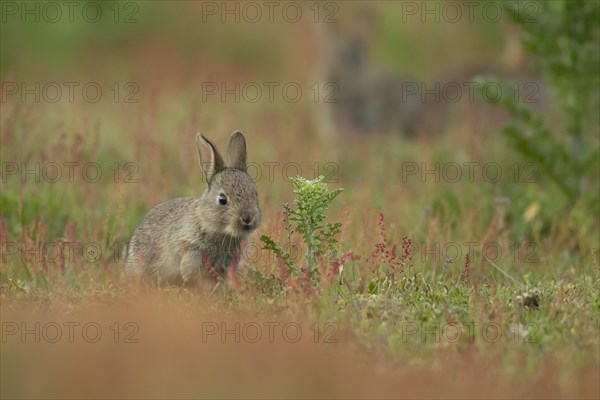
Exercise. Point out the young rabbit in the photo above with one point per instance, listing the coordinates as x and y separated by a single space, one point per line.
180 237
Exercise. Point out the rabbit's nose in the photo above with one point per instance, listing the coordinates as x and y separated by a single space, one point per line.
246 218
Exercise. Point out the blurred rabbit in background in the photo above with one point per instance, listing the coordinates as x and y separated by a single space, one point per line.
366 97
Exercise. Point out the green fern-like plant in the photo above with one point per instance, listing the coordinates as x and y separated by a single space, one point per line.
307 218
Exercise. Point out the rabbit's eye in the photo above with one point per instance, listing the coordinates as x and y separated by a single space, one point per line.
222 199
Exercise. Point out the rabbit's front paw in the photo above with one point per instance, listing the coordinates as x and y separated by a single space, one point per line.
190 265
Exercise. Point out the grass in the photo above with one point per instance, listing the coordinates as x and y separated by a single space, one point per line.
407 316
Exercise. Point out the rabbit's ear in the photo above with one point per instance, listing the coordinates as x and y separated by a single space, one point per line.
236 151
210 159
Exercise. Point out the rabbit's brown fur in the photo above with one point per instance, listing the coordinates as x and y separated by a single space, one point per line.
181 237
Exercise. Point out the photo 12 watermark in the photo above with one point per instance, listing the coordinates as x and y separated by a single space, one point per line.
471 91
469 171
461 332
467 11
269 11
52 12
268 92
69 332
268 331
69 91
68 172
